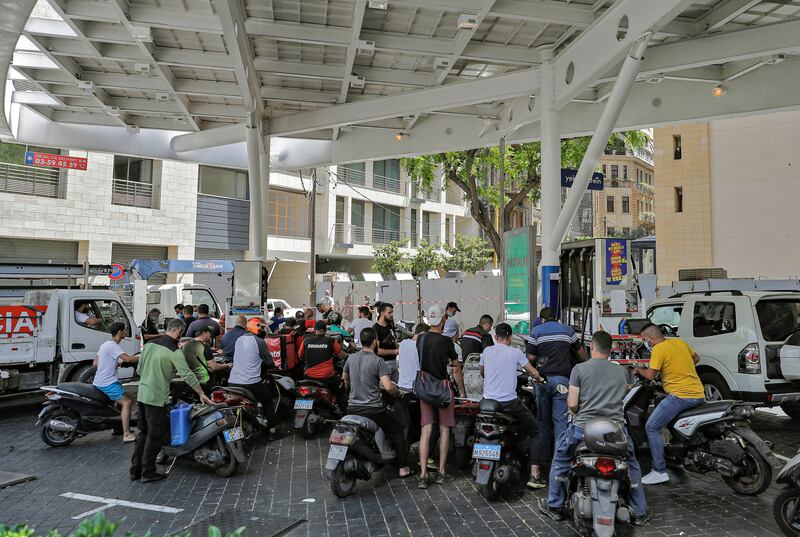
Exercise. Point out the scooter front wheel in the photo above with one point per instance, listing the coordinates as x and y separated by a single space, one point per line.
229 467
786 510
59 428
342 483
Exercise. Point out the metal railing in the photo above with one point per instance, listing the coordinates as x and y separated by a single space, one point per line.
389 184
344 234
29 180
385 236
132 193
430 238
352 176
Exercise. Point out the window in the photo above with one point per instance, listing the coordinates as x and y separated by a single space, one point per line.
626 232
100 314
352 173
604 171
426 226
135 169
624 171
357 221
223 182
15 153
668 316
676 147
447 230
609 204
18 178
678 199
287 214
339 231
195 297
133 182
626 204
713 319
385 224
639 206
638 174
614 171
778 319
414 228
386 175
611 232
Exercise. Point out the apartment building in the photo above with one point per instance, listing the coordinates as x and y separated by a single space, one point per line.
709 178
626 205
123 207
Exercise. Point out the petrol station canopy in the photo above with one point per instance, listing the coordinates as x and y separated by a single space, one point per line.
331 81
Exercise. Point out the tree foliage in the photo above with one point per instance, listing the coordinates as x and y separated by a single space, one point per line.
468 254
388 258
426 259
100 526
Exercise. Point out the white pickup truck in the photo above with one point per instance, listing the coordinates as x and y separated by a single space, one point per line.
42 341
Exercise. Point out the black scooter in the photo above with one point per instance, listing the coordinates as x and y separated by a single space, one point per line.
786 507
75 409
215 440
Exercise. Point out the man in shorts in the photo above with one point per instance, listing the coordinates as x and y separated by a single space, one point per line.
437 352
109 356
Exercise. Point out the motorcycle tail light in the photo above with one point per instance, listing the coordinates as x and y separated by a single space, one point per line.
342 439
217 396
304 391
52 395
605 521
485 466
605 466
487 428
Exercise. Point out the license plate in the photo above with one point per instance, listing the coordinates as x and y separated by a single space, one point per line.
304 404
337 452
489 452
233 434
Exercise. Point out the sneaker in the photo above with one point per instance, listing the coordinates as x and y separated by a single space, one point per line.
422 483
642 520
654 478
432 465
154 477
552 512
536 483
441 478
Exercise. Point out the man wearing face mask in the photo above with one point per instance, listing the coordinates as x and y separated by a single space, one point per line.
150 326
450 325
676 361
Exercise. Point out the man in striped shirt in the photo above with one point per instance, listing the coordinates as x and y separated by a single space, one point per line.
553 349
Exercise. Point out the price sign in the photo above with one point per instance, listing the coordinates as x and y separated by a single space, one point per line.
34 158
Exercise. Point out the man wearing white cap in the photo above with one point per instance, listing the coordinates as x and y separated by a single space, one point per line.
437 352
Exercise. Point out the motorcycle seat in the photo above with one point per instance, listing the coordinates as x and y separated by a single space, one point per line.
704 408
201 410
244 392
581 448
361 421
85 390
491 406
310 382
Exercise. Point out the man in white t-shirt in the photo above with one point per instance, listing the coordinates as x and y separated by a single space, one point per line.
109 357
364 321
408 359
499 366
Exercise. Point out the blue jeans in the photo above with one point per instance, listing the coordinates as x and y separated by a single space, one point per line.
551 408
664 413
562 460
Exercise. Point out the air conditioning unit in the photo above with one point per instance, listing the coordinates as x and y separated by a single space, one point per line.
365 48
86 86
141 68
467 21
442 64
357 82
162 96
142 33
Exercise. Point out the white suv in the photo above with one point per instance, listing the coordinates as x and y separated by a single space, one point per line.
737 335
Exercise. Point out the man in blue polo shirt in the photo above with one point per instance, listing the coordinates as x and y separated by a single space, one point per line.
553 349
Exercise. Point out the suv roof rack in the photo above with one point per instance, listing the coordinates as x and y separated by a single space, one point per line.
733 292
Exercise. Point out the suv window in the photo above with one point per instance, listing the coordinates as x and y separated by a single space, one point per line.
668 314
100 314
778 318
713 319
195 297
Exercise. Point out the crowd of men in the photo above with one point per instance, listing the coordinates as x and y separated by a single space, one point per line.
570 387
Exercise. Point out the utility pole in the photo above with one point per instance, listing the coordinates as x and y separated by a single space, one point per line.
502 189
312 225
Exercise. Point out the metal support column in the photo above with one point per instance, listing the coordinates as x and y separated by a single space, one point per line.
265 177
257 235
551 181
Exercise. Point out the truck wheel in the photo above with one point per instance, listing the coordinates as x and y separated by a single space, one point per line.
792 410
714 386
84 373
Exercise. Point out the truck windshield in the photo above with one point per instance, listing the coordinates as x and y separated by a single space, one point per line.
778 318
195 297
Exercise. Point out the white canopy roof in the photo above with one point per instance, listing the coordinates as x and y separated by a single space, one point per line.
339 80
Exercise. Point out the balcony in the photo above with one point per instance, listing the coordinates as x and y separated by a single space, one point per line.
430 238
647 216
389 184
343 234
132 194
29 180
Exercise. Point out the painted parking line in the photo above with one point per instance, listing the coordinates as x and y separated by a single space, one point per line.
113 502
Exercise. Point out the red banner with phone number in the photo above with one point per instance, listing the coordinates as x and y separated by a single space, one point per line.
56 161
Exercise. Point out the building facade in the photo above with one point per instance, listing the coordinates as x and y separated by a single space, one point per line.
709 178
626 205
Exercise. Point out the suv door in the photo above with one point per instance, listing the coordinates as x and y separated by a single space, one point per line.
667 316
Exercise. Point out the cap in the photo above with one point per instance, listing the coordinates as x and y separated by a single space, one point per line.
434 315
503 330
320 325
450 329
453 305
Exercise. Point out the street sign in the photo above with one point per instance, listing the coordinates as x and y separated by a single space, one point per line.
34 158
117 272
568 177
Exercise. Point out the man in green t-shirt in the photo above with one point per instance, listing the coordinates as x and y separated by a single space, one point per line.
200 357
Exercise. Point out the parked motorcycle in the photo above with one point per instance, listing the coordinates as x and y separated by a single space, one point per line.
215 440
712 437
598 479
786 507
358 449
466 411
315 404
499 454
75 409
241 398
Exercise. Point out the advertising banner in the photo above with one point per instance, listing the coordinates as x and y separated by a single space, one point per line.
616 261
519 272
34 158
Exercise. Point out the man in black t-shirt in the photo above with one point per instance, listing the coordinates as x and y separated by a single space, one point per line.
388 349
475 340
150 326
437 352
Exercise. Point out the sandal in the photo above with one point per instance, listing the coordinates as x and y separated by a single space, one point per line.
411 473
129 438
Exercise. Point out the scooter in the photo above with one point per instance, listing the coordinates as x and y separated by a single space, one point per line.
75 409
466 411
786 507
241 398
215 440
598 479
499 454
712 437
358 449
315 404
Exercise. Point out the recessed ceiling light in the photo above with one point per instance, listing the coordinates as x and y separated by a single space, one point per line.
719 90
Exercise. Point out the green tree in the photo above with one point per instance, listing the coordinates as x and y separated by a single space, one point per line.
388 258
426 259
470 171
468 254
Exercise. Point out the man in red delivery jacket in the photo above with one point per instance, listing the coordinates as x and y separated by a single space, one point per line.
319 352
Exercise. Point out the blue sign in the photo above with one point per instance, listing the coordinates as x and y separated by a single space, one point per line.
568 177
28 157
